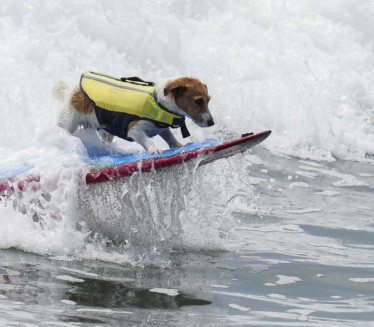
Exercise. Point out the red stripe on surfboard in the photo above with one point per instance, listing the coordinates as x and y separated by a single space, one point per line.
14 185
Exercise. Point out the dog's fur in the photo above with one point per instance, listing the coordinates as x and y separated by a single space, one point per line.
184 96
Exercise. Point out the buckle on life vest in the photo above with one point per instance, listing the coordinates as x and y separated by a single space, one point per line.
178 122
136 80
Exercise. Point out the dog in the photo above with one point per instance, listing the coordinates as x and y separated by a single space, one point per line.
133 109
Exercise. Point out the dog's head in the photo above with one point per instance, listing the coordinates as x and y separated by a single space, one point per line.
191 96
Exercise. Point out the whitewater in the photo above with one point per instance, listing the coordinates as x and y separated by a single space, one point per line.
281 235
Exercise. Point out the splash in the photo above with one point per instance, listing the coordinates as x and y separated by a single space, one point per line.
141 219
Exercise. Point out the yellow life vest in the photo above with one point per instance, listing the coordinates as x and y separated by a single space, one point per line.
119 101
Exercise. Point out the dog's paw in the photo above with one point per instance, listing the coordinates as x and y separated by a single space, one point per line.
152 149
155 151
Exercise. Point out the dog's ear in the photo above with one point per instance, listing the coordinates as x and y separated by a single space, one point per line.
177 91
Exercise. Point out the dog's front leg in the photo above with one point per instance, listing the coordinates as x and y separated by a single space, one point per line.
139 136
170 139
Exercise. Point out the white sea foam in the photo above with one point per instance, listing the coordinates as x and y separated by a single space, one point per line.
167 291
304 210
298 184
344 179
218 286
362 280
328 193
70 279
285 280
307 174
238 307
80 272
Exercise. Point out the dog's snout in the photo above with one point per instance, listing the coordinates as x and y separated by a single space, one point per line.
210 122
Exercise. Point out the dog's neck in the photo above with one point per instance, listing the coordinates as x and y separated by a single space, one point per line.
165 100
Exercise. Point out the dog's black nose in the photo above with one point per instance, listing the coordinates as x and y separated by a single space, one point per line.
210 122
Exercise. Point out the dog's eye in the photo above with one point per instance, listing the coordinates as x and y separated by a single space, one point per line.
199 102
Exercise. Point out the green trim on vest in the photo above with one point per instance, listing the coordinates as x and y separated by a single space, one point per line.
133 98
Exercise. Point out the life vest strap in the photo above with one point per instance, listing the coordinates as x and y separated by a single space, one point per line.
137 80
184 130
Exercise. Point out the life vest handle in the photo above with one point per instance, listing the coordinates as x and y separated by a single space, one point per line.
136 80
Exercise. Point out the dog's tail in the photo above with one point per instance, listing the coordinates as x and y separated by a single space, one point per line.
60 90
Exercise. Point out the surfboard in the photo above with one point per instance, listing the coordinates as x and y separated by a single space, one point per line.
106 168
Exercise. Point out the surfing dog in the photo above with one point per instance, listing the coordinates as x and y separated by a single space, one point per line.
97 104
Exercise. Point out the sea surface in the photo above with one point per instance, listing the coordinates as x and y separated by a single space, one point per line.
281 235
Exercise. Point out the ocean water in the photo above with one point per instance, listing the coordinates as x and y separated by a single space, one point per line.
282 235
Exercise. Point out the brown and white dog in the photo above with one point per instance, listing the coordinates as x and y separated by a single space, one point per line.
184 96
